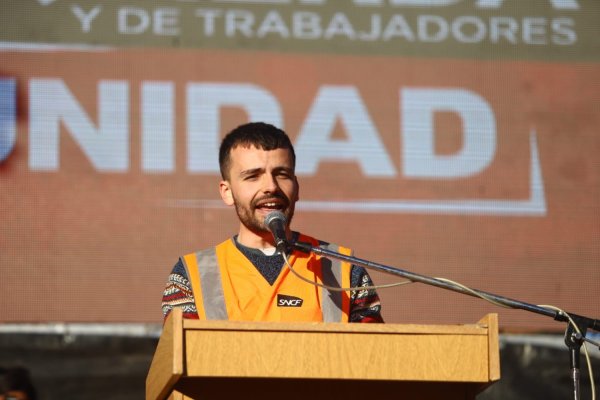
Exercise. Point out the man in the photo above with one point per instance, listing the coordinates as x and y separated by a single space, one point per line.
244 278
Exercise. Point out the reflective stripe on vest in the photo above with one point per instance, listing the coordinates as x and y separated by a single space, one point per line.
331 301
210 282
214 300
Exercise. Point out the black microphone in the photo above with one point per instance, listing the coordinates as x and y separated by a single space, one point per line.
276 222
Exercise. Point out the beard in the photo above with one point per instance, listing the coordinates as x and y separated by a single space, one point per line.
248 217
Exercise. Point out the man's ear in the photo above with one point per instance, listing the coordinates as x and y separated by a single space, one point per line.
225 191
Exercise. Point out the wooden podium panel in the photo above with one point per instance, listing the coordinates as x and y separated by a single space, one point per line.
226 359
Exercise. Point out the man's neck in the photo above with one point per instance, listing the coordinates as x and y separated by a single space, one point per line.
255 241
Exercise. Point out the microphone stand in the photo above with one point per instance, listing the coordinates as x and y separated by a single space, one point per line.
573 339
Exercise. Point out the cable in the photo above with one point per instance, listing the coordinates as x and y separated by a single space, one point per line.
336 289
474 292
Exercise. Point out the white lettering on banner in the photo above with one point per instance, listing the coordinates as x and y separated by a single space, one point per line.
8 118
204 101
425 23
534 206
239 21
166 21
309 23
107 147
363 143
306 25
339 25
504 28
458 25
372 35
85 18
158 126
417 109
398 27
209 17
273 23
106 144
134 21
534 30
424 28
564 27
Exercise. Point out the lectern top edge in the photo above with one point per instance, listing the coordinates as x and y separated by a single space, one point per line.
480 328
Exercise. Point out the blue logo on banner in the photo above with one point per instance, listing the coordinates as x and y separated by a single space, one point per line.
8 126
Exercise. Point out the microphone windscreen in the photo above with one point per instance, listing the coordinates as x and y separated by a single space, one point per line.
274 215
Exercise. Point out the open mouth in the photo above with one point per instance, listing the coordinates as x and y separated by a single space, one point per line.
268 205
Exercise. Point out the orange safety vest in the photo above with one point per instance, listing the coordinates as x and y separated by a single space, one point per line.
227 285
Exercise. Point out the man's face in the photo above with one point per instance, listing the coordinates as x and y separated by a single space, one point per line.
260 181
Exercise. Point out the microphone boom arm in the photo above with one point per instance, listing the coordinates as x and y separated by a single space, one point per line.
583 322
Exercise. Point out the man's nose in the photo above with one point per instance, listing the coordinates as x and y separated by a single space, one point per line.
270 184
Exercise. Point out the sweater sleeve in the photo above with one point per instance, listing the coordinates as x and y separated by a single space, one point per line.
178 293
364 304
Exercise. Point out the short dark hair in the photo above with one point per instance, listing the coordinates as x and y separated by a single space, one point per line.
258 134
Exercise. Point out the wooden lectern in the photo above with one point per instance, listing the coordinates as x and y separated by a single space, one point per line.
267 360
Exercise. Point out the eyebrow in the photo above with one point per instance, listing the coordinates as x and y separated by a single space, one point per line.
253 171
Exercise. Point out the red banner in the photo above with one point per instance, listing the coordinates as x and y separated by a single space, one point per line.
483 172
